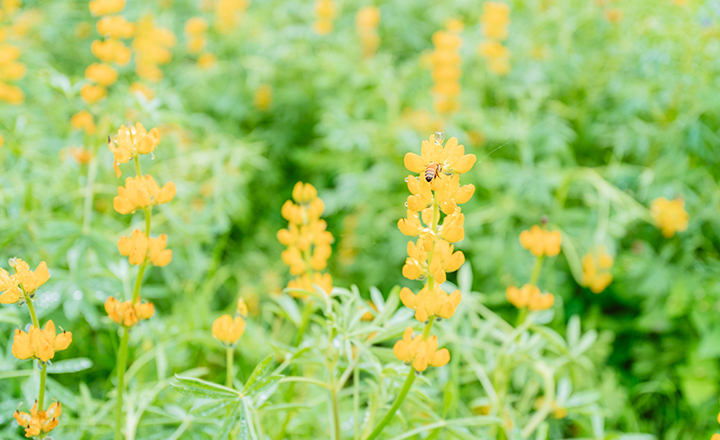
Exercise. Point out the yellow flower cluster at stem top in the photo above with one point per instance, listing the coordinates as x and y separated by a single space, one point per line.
38 423
307 240
596 270
229 329
22 281
366 22
325 12
40 344
446 72
10 68
669 215
494 21
228 14
434 193
540 243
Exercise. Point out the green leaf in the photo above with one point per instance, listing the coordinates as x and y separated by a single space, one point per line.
260 370
191 386
211 407
70 366
262 385
229 421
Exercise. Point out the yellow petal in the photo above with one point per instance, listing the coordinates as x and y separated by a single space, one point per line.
414 163
21 348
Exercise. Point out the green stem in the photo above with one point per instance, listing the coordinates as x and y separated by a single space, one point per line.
89 190
229 375
335 410
138 282
536 270
41 395
122 361
31 308
137 166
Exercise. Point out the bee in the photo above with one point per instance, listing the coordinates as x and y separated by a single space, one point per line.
432 170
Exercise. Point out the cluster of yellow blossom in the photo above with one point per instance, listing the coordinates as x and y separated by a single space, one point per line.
435 192
130 142
112 29
40 344
228 13
540 243
670 215
196 31
128 313
39 423
152 49
446 72
596 270
494 21
366 22
139 248
23 280
325 12
307 240
263 97
229 329
10 68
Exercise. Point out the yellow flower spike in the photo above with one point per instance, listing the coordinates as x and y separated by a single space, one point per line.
596 270
126 313
196 25
304 192
102 74
419 352
115 26
227 329
158 255
12 71
405 348
452 228
141 192
83 120
495 18
529 296
39 423
40 344
111 50
207 60
92 93
292 212
9 53
242 309
669 215
541 242
134 247
106 7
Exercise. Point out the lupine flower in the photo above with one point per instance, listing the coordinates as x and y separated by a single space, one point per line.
444 260
445 61
92 93
106 7
227 329
206 60
495 19
529 296
428 303
111 51
131 141
83 120
196 30
115 26
451 157
101 74
263 97
366 22
141 192
152 47
541 242
81 155
325 12
670 215
126 313
596 270
24 277
39 423
12 71
11 94
228 13
419 352
40 344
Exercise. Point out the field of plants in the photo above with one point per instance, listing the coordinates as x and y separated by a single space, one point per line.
359 219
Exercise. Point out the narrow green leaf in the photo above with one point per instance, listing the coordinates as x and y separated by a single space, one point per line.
211 407
260 370
70 366
191 386
262 384
229 422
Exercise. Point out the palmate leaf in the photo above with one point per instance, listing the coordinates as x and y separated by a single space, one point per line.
260 370
191 386
262 384
208 408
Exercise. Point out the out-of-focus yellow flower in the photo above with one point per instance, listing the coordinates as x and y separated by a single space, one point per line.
325 12
40 344
91 93
529 296
81 155
421 353
106 7
263 97
493 49
2 141
141 192
131 141
134 247
12 71
143 89
495 19
366 22
454 25
111 50
83 120
152 47
11 94
83 29
206 60
228 13
39 423
369 316
422 120
24 278
115 26
158 255
596 270
445 64
10 7
670 215
101 74
541 242
227 329
126 313
242 308
613 15
196 26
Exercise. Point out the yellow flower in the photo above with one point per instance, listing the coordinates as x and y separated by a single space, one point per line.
115 26
106 7
92 93
451 157
23 278
670 215
196 43
529 296
369 316
11 94
83 120
9 53
39 423
81 155
541 242
111 51
613 15
131 141
366 21
12 71
493 49
444 260
263 97
126 313
40 344
134 247
196 26
428 303
142 89
500 66
206 60
445 64
2 141
158 255
307 283
101 74
227 329
141 192
152 47
242 309
495 19
454 25
419 352
596 270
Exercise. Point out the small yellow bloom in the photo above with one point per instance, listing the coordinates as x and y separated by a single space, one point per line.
596 270
101 74
9 53
131 141
12 71
451 157
493 49
419 352
715 436
92 93
613 15
541 242
81 155
106 7
369 316
2 141
529 296
141 192
242 309
196 26
454 25
23 278
227 329
495 19
158 255
39 423
115 26
368 17
111 50
11 94
134 247
127 314
83 120
428 302
40 344
263 97
670 215
206 60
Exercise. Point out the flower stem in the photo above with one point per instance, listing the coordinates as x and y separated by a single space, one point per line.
229 375
89 189
41 394
31 308
335 410
122 361
138 282
536 270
